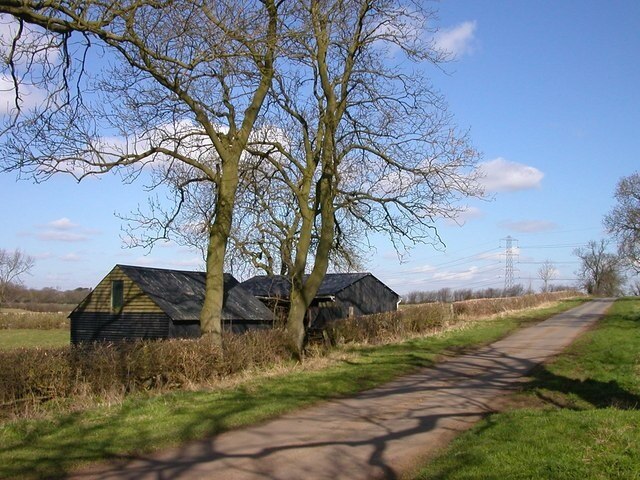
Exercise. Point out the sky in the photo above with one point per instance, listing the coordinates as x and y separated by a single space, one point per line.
549 93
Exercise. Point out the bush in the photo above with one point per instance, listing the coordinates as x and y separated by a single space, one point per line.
391 326
426 318
493 306
31 378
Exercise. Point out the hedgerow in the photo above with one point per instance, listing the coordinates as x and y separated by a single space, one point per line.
35 380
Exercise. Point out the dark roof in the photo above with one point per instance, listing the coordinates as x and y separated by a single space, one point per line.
279 286
180 294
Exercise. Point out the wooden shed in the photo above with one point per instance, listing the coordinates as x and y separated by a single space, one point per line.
151 303
340 295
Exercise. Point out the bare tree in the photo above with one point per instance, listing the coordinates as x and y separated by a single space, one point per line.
12 266
355 142
624 220
128 85
600 271
265 225
546 273
369 147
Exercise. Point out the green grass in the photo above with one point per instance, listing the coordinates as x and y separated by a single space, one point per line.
28 338
51 447
581 421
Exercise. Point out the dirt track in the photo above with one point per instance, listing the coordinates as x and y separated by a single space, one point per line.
380 433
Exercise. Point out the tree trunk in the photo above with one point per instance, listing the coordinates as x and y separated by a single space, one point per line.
295 322
211 314
303 291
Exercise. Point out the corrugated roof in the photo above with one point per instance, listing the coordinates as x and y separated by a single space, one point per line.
280 286
180 294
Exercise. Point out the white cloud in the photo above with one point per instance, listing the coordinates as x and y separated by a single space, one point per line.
71 257
457 40
407 284
30 96
145 261
63 230
420 269
193 263
529 226
500 175
61 236
465 215
33 54
62 224
464 275
34 45
492 256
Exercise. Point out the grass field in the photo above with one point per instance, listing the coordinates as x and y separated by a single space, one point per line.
28 338
50 447
579 418
20 319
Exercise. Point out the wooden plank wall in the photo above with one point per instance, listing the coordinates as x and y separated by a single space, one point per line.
135 301
100 327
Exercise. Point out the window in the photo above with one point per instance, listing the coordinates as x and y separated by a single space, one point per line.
117 295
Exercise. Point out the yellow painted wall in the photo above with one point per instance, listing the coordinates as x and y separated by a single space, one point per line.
135 301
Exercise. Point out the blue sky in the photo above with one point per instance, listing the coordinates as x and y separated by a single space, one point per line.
550 94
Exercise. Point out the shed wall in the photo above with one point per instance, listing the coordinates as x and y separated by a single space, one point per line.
364 297
135 301
368 296
100 327
242 326
139 318
184 329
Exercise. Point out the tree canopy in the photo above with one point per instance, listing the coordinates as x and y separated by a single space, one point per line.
141 84
624 220
600 270
13 265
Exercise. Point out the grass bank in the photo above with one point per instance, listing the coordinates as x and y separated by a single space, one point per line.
579 417
50 447
30 338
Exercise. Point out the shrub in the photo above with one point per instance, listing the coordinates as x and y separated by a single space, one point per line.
428 317
493 306
33 379
390 326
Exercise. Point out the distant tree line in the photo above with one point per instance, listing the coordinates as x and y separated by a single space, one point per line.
20 296
460 294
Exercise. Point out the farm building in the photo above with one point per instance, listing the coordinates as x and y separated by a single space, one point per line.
151 303
340 295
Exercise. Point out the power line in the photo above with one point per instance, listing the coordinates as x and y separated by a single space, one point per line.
452 263
467 259
453 275
559 245
542 263
482 283
476 277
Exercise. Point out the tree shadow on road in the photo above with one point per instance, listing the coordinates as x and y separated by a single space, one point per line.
559 390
